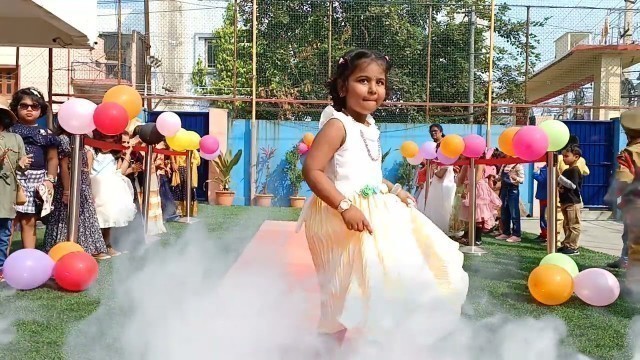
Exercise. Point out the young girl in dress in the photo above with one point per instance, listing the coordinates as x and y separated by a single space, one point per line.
89 234
367 240
112 191
28 105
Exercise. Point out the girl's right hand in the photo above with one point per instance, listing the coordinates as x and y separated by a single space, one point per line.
355 220
25 161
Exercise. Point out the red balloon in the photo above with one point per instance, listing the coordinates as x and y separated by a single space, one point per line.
110 118
76 271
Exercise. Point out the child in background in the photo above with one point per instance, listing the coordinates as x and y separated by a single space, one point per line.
511 176
569 185
541 195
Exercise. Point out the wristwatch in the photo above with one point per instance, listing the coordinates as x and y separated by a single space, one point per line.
344 205
51 179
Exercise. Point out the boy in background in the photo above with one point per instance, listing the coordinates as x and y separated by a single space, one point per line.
569 185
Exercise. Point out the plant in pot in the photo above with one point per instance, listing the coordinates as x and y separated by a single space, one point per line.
263 197
224 164
294 176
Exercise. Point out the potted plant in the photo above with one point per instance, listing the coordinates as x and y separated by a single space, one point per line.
294 176
263 197
224 164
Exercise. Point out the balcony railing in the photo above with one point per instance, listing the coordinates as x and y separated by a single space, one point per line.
99 71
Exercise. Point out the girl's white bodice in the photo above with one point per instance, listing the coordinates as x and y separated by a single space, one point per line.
358 162
103 164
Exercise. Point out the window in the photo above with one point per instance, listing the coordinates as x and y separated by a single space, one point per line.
210 59
8 80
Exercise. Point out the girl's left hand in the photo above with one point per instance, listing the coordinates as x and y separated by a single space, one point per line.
406 198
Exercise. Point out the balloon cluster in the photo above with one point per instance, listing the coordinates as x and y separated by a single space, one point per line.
531 142
450 149
178 139
71 267
557 278
119 105
305 143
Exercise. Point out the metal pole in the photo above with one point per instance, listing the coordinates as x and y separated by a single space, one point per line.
254 86
472 248
551 202
427 182
490 73
235 58
428 92
50 91
189 199
147 53
472 55
148 164
330 59
74 190
119 41
526 53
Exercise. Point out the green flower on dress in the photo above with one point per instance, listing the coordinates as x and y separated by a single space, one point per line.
368 190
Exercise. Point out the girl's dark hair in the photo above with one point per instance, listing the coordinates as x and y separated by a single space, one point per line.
347 64
31 93
437 126
6 119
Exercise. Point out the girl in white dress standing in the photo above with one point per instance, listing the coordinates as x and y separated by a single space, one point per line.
368 242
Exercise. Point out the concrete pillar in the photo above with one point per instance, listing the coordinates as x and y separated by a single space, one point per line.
607 86
218 127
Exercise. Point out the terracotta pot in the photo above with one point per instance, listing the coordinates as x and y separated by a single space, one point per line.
297 201
225 198
264 200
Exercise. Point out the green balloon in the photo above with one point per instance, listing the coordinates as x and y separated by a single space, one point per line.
558 134
563 261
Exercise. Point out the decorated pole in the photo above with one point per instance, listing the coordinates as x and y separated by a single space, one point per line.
552 201
188 198
74 191
472 248
148 164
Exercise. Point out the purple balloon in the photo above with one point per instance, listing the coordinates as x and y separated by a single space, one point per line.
445 159
596 287
428 150
209 156
474 146
209 144
27 269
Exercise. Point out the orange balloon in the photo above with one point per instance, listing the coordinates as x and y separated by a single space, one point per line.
550 284
128 97
505 141
307 139
452 146
63 248
409 149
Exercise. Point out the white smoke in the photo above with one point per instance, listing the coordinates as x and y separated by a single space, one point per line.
173 302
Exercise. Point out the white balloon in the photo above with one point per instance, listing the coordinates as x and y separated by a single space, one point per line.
416 160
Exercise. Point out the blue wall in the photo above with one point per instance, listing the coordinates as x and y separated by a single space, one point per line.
282 135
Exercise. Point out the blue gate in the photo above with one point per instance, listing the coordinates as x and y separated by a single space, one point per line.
198 122
597 145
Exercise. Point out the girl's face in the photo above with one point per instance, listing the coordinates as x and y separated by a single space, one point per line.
366 88
28 110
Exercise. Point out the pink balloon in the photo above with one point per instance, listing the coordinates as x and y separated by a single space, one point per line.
596 287
416 160
168 124
428 150
76 116
445 159
209 156
530 143
474 146
302 148
209 144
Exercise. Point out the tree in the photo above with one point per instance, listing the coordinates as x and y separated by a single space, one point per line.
293 52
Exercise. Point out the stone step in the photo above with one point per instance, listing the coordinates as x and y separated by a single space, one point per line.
596 214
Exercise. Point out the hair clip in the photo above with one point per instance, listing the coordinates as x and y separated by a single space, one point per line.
341 61
35 92
387 57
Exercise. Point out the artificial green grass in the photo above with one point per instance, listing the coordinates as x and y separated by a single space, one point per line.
497 286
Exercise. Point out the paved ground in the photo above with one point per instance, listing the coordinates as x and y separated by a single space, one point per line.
598 235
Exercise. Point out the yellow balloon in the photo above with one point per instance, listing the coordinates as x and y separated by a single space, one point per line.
63 248
177 142
193 141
